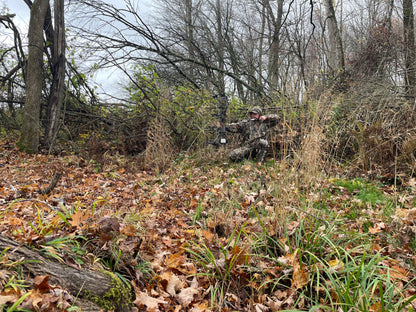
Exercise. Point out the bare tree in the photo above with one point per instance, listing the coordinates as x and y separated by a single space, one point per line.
10 80
166 47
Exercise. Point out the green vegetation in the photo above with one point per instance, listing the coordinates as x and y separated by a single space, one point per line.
324 224
117 298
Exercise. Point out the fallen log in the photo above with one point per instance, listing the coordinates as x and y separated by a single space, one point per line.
102 288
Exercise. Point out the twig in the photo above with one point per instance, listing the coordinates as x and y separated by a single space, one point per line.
27 199
55 180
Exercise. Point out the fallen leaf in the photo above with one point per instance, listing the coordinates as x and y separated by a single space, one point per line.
143 299
373 230
336 264
239 256
376 307
300 278
171 283
7 299
260 307
377 228
128 230
174 261
77 218
399 273
41 283
186 296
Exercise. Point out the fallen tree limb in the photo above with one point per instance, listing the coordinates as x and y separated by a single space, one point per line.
57 175
103 288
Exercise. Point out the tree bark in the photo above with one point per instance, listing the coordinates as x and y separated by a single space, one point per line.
336 60
275 44
409 48
189 27
221 47
58 74
83 283
29 139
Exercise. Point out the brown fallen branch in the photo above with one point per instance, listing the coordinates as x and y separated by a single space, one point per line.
84 284
57 175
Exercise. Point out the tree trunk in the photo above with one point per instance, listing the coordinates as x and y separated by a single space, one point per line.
83 283
221 52
29 139
261 42
409 47
276 22
58 74
390 9
336 59
189 27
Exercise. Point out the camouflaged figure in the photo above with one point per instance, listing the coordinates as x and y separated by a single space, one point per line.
254 132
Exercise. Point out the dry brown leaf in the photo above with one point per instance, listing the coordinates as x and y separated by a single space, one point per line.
128 230
200 307
260 307
289 259
41 283
186 296
300 278
143 299
7 299
239 255
34 298
376 307
174 261
378 227
336 265
399 273
171 283
77 218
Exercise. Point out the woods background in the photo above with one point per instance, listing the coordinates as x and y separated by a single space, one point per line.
124 187
341 72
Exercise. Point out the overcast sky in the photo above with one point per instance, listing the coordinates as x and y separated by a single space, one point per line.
18 7
107 81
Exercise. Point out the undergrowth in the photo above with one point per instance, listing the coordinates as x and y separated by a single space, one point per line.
297 233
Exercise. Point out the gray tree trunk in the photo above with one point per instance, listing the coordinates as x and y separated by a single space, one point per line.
58 73
275 45
189 27
409 46
336 60
221 47
29 139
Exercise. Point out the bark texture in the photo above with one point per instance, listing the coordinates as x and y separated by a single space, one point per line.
81 283
30 134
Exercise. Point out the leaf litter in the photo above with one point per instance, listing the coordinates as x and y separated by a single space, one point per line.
141 224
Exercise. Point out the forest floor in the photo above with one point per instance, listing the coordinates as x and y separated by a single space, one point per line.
217 236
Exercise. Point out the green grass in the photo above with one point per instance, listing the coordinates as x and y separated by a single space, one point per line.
367 192
345 274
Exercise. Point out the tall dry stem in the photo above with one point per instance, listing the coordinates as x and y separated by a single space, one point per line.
159 148
311 156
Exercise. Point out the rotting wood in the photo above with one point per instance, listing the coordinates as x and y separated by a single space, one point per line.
81 283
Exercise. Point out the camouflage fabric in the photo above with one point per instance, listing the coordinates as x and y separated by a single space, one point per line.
256 110
255 137
257 149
